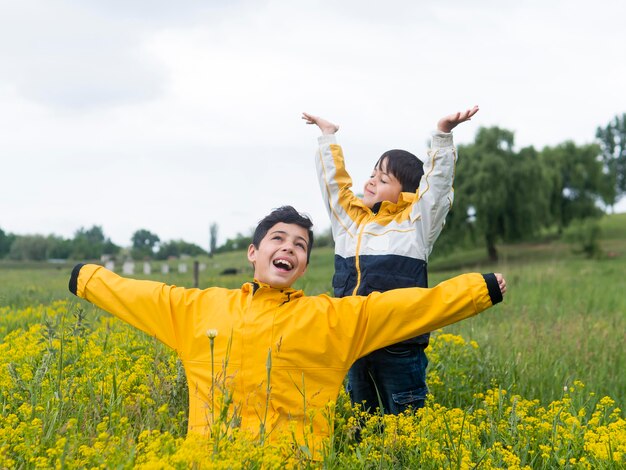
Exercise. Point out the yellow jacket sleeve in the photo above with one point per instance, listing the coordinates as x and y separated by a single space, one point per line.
396 315
148 305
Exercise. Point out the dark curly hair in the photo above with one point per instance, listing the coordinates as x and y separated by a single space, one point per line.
287 215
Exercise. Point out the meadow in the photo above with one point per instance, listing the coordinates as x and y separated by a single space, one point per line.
536 382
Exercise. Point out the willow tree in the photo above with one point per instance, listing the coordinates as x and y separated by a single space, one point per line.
500 195
578 182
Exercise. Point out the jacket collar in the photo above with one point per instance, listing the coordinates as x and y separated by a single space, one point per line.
255 286
386 207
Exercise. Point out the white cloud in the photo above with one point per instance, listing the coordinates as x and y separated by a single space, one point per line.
169 116
67 57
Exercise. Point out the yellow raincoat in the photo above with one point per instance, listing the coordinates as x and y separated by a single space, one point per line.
307 343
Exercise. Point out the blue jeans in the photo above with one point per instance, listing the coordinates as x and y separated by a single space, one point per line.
393 377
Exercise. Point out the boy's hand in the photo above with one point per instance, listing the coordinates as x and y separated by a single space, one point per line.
501 282
447 123
325 126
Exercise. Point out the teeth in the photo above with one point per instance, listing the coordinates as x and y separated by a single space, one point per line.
283 262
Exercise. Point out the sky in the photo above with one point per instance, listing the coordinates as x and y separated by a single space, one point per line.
171 116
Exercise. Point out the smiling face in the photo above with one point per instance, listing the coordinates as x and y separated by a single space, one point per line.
281 257
382 186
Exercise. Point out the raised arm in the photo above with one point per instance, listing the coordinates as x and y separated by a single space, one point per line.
335 182
435 193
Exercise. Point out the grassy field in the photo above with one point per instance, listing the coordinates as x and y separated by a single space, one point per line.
564 317
561 329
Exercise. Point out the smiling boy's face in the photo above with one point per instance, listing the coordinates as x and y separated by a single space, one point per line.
281 257
381 186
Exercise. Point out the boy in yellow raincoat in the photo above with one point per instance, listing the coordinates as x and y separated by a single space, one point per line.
266 329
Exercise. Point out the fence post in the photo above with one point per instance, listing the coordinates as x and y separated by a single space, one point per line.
196 273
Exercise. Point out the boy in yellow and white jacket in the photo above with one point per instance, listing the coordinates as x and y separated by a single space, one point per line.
382 242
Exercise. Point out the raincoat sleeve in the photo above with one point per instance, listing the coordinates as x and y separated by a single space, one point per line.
153 307
435 193
335 184
382 319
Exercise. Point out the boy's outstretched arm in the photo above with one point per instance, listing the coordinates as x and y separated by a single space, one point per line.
447 123
392 316
325 126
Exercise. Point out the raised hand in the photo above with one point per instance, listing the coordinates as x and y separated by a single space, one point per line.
447 123
325 126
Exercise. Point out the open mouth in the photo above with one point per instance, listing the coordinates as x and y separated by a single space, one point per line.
283 264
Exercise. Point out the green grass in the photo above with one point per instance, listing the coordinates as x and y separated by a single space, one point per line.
563 319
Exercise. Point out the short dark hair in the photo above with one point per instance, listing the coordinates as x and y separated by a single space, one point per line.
404 166
287 215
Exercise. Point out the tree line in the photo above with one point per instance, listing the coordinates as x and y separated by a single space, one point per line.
504 195
90 244
501 195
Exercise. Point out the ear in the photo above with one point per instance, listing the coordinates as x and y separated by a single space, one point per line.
251 253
